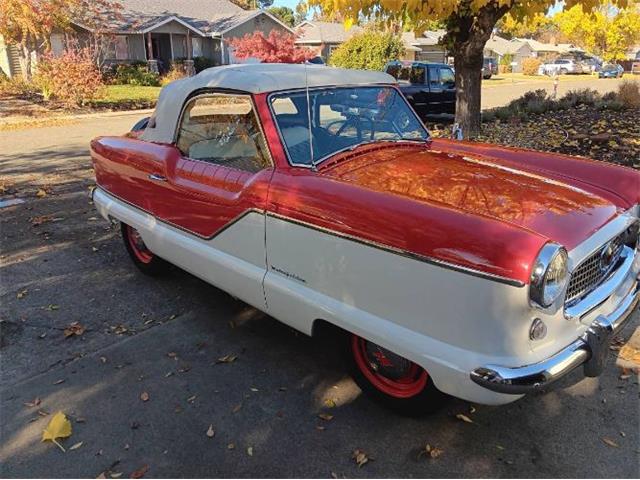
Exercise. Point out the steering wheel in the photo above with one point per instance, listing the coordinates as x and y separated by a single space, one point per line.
352 120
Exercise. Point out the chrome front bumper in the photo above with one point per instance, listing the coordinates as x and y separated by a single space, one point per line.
590 350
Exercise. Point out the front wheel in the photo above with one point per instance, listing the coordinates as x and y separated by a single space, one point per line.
143 258
392 380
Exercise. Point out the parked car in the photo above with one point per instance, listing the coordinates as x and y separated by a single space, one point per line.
561 66
611 71
635 68
489 68
590 64
316 195
429 87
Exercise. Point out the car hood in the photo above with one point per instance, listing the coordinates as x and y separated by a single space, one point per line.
556 210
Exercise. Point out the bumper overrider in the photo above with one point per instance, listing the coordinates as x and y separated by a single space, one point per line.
621 291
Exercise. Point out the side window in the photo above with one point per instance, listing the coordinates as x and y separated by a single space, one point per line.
447 77
223 129
418 75
434 77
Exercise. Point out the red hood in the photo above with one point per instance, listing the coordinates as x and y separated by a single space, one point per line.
551 208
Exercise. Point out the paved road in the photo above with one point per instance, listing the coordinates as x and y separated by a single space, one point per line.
497 95
163 337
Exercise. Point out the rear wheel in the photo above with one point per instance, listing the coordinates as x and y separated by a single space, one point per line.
392 380
143 258
563 71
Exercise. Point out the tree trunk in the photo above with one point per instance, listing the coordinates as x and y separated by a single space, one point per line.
25 62
468 92
467 33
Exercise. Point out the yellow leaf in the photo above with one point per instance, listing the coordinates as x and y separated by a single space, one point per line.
41 193
348 23
59 427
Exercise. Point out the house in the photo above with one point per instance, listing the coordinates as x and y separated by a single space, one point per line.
162 31
324 37
500 48
424 48
548 50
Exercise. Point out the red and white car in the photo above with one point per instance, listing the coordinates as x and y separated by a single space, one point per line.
316 195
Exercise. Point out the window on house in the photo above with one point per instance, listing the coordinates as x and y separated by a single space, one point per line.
196 47
223 129
120 47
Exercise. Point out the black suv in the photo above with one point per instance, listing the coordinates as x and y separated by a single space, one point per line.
429 87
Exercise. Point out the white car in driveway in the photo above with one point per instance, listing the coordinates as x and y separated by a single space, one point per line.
561 66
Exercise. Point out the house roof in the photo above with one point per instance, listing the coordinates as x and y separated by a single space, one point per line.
537 46
311 32
428 39
502 46
252 78
207 17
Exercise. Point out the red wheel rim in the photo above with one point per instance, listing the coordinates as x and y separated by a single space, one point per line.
411 380
140 250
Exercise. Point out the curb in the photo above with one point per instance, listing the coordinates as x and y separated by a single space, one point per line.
80 116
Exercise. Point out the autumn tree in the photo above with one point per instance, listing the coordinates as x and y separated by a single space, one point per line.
283 13
277 47
469 24
540 27
605 31
29 23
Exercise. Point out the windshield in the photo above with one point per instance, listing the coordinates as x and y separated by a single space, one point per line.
342 118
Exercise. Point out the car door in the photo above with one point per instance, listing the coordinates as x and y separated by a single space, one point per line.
448 85
215 193
435 92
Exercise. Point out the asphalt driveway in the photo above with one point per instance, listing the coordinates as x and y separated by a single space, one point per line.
61 263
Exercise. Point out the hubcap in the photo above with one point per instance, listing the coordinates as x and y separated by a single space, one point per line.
140 250
388 372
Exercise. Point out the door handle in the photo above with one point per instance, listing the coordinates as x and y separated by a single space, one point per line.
157 178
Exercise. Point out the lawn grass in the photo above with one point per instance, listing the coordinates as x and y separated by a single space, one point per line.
506 78
127 96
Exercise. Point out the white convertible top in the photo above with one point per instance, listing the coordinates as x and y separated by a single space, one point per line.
251 78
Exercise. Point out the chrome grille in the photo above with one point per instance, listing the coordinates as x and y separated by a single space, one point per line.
590 273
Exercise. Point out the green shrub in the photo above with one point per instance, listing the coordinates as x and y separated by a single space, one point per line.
136 73
530 66
583 96
369 50
202 63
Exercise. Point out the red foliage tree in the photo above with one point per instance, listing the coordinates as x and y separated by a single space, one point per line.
278 47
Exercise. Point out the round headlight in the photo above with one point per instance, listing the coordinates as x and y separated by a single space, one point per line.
550 275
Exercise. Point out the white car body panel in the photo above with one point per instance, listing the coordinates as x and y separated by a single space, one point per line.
307 274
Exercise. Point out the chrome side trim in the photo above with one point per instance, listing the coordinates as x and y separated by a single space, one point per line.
590 350
422 258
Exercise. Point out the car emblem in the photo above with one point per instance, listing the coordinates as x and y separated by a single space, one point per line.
609 255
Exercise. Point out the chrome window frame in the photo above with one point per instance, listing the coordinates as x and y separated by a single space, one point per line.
209 93
334 87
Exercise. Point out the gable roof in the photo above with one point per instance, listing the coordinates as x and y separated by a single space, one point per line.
206 17
428 39
312 32
502 46
537 46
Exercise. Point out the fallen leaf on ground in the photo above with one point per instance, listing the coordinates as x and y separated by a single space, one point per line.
227 359
231 446
211 432
431 451
610 442
52 307
74 328
41 193
43 413
115 474
75 446
464 418
325 416
192 398
250 451
102 475
58 382
237 408
144 396
330 403
139 473
59 427
21 294
34 403
360 457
